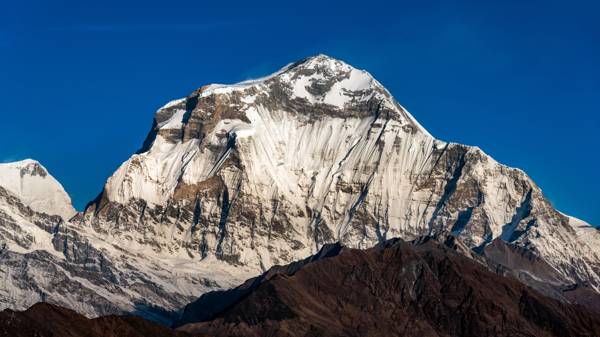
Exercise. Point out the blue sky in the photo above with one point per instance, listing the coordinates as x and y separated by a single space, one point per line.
80 80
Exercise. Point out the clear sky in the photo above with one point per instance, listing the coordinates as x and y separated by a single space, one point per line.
80 80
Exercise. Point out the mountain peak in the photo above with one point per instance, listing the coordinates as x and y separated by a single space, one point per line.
312 71
323 63
29 167
313 88
35 187
324 80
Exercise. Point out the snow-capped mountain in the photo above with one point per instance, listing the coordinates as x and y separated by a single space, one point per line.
265 172
36 188
234 179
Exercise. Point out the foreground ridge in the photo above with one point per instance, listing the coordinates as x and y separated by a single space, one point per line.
424 288
397 288
47 320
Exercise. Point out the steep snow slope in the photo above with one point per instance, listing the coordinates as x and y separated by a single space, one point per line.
265 172
36 188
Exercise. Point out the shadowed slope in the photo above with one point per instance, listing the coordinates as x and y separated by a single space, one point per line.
394 289
47 320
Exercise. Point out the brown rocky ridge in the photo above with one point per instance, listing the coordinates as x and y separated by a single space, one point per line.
48 320
394 289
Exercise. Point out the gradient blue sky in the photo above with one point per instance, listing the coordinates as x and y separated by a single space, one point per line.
80 80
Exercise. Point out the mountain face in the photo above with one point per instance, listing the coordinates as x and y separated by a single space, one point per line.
265 172
234 179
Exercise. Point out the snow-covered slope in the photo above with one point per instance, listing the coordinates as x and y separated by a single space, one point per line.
36 188
266 171
234 179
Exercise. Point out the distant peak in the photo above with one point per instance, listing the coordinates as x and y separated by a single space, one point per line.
35 187
29 167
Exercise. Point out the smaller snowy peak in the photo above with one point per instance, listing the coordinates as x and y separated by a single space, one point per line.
27 167
36 188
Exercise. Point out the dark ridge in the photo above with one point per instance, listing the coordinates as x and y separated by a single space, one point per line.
47 320
210 304
394 289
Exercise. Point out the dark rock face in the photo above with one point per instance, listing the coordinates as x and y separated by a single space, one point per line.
394 289
47 320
